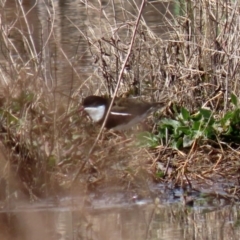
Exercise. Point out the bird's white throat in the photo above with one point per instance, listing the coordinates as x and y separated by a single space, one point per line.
96 113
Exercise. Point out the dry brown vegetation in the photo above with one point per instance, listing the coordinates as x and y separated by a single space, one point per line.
47 141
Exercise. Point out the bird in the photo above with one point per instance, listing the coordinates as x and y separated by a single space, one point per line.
125 112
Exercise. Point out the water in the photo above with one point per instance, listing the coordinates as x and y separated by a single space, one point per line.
144 221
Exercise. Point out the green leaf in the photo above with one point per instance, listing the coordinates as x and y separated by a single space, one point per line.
178 143
211 121
170 122
234 99
183 129
226 118
206 113
196 125
185 113
236 116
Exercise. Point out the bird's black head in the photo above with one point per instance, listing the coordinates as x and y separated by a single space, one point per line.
94 101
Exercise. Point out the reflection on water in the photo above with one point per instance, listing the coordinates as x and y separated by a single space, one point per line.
131 222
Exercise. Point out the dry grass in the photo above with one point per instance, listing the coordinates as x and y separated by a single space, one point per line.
48 142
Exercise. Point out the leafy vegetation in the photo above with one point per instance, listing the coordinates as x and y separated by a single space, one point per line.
186 129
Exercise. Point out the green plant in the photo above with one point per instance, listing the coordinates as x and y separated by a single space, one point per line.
229 124
186 128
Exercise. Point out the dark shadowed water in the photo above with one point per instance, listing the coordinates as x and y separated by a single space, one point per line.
68 64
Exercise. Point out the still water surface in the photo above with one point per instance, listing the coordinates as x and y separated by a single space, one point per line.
130 221
68 64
